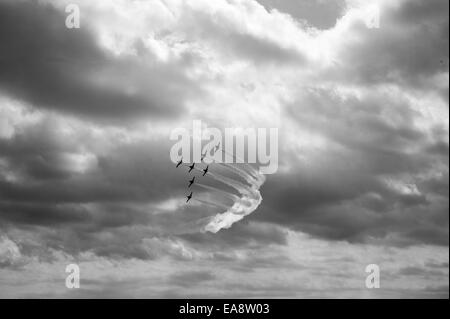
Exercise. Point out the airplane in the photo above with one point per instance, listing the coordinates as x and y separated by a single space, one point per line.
180 162
217 147
205 170
191 181
189 197
191 167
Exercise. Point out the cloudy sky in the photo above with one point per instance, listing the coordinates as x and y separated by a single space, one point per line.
85 173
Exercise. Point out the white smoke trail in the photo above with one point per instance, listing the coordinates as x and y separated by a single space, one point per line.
225 180
258 180
241 188
245 205
217 205
252 171
229 195
242 173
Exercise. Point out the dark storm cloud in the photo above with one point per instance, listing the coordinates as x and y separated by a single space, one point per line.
135 181
191 278
432 264
419 271
346 194
338 200
39 155
77 187
120 185
45 64
372 138
377 132
146 241
110 206
319 14
410 46
36 151
241 234
26 213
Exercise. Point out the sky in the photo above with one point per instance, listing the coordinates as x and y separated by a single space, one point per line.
85 173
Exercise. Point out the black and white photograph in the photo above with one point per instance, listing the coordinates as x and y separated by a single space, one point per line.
224 149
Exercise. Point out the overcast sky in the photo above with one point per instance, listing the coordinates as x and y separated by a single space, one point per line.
85 173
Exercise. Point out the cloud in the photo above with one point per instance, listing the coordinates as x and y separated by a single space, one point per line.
85 174
191 278
58 169
10 255
67 70
367 148
317 13
410 47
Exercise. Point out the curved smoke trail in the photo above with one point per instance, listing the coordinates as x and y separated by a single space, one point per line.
252 171
221 206
249 200
229 195
240 187
242 173
243 206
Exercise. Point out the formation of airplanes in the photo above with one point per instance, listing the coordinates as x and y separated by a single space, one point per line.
192 167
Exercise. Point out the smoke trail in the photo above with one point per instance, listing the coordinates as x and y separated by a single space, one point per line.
217 205
241 188
242 173
259 179
245 205
229 195
252 171
230 168
228 181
